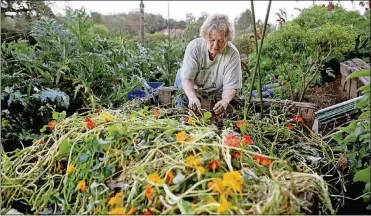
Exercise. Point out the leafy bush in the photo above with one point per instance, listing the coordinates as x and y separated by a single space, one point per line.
354 140
299 49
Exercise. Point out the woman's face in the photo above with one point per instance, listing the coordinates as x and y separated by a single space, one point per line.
216 42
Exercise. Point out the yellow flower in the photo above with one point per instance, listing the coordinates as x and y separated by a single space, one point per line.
233 180
155 178
116 199
70 169
200 170
131 211
117 211
81 186
224 204
216 185
181 136
190 121
192 161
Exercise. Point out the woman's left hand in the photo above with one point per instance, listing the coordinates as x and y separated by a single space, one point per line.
220 107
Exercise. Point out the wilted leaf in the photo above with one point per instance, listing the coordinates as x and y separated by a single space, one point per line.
84 157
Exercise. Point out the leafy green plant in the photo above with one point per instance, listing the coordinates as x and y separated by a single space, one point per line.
355 139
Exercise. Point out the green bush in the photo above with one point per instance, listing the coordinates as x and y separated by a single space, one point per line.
100 29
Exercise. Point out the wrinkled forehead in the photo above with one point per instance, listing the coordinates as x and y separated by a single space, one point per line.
217 35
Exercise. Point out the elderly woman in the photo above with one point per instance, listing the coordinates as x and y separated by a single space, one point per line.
211 64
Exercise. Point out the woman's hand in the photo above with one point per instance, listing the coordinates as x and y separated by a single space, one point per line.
194 104
220 107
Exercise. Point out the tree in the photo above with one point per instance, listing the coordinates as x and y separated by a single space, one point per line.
190 18
96 17
244 23
12 8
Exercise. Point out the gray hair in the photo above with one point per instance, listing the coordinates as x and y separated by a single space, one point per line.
218 22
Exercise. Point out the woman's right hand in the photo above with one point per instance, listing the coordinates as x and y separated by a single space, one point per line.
194 104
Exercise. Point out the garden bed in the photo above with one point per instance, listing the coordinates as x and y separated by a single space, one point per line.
169 161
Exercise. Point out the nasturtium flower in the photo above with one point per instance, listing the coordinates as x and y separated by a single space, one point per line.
51 124
224 204
297 119
231 140
131 211
200 170
233 180
181 136
70 169
213 165
189 120
117 211
155 178
193 161
240 123
148 212
216 184
289 126
41 142
149 191
98 111
246 139
116 199
89 123
156 112
169 177
263 160
81 186
235 155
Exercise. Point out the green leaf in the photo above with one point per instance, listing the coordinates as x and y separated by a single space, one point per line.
64 146
350 138
207 115
367 187
43 129
338 137
185 207
364 72
84 157
362 175
358 131
109 170
55 115
365 88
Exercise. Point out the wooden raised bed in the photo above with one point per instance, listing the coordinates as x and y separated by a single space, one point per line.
351 86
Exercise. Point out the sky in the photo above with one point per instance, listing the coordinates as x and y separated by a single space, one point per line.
178 9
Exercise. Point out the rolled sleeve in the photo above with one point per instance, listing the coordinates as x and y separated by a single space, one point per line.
190 64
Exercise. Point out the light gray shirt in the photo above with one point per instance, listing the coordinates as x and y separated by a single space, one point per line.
223 73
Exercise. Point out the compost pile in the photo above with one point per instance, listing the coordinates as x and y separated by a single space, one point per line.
169 161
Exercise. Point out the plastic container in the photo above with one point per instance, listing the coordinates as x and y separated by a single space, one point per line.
139 93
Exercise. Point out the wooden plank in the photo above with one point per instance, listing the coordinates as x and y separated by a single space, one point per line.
289 102
308 116
353 88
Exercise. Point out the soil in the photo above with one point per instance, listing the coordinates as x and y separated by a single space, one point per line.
327 94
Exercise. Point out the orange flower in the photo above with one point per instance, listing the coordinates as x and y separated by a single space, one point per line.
181 136
289 126
240 123
149 191
213 165
246 139
41 142
233 180
51 124
263 160
98 111
297 119
169 177
81 186
89 123
116 199
231 140
156 112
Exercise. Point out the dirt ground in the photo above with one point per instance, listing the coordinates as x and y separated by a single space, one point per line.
328 94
